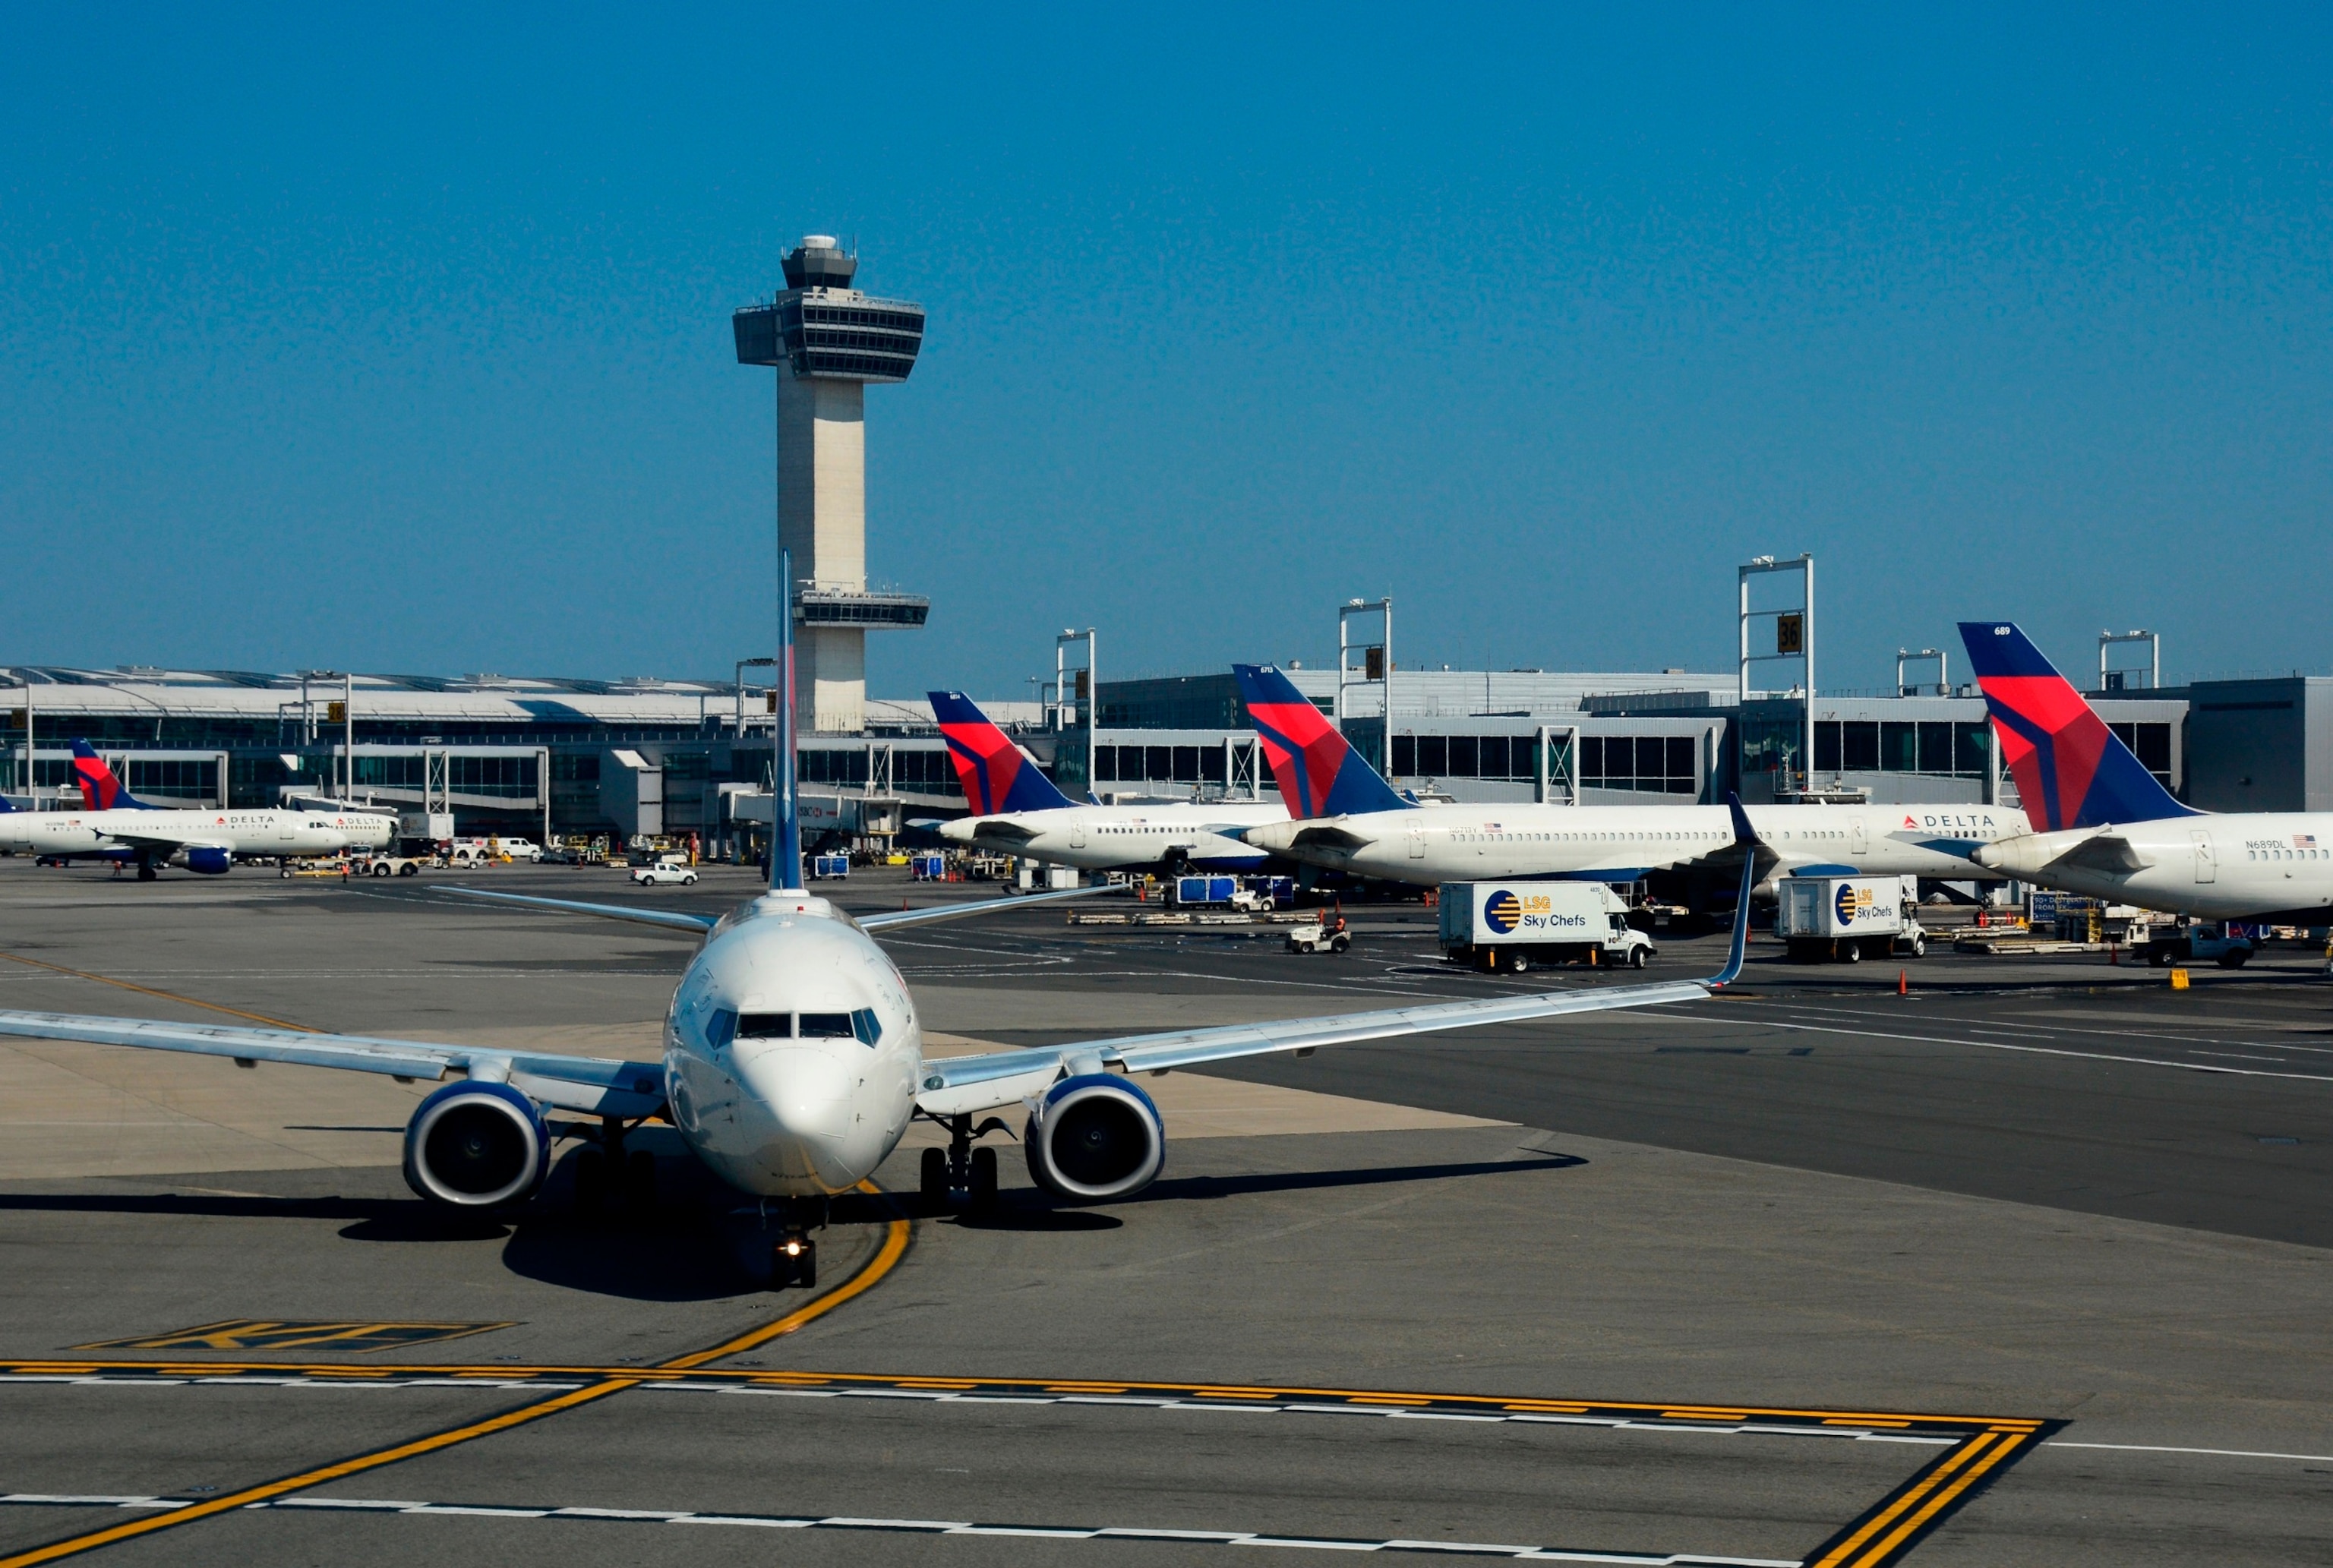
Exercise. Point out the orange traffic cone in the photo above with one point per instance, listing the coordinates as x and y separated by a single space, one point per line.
1903 982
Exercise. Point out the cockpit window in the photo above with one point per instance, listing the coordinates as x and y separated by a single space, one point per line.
721 1028
867 1026
827 1027
765 1025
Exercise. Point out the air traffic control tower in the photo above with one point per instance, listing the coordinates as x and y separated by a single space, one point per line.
827 341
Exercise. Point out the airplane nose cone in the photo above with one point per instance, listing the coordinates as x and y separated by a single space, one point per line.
806 1093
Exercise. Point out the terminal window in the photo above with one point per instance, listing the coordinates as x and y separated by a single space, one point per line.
186 777
1894 746
2151 744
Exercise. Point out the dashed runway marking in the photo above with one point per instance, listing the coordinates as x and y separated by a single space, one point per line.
944 1528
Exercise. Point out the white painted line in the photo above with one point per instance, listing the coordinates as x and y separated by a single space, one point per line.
944 1528
2038 1050
2158 1448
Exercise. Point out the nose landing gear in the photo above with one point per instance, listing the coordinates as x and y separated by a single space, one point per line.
793 1256
962 1168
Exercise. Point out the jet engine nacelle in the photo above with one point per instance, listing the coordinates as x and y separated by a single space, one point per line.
1095 1137
475 1145
210 862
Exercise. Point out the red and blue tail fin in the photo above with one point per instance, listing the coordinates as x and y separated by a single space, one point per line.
100 789
2070 770
996 777
1319 772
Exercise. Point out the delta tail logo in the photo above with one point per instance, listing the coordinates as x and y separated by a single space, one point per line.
2070 770
1318 773
100 789
996 776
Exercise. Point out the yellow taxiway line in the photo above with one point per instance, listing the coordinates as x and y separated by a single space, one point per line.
615 1382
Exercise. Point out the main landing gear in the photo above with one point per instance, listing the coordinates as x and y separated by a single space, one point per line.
962 1168
605 1176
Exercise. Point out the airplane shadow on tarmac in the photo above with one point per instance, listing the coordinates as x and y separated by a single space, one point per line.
699 1240
1022 1209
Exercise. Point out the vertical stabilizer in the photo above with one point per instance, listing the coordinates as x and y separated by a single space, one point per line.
996 776
2070 770
100 789
1319 772
785 838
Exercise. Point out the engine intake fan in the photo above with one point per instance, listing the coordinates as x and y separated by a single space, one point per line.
1095 1137
475 1145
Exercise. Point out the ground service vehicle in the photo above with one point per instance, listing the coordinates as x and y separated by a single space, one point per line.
665 873
2227 944
1846 918
1322 934
1511 925
387 866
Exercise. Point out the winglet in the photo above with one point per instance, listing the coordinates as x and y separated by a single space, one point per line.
1738 949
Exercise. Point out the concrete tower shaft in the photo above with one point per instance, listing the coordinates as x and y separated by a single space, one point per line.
827 341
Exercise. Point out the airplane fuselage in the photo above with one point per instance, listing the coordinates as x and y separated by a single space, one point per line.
1463 843
1125 837
265 831
2241 866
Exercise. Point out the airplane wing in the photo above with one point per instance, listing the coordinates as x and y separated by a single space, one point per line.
671 919
959 1085
892 919
678 919
167 841
599 1085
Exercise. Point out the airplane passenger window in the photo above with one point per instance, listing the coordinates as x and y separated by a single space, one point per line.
827 1027
765 1025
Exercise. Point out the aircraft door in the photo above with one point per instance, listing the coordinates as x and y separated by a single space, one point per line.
2207 868
1416 844
1077 833
1856 841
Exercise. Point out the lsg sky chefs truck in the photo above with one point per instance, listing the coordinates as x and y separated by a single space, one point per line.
1511 925
1846 918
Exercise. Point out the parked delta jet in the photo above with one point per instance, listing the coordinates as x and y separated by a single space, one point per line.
2107 828
793 1062
117 826
1344 816
1016 811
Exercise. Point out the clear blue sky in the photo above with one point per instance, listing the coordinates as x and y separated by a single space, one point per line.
400 341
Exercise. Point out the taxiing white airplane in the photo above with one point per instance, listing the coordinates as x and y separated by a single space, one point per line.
1017 810
793 1062
2109 829
1345 817
118 826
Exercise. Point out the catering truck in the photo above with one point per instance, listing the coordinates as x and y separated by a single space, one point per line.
1846 918
1511 925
